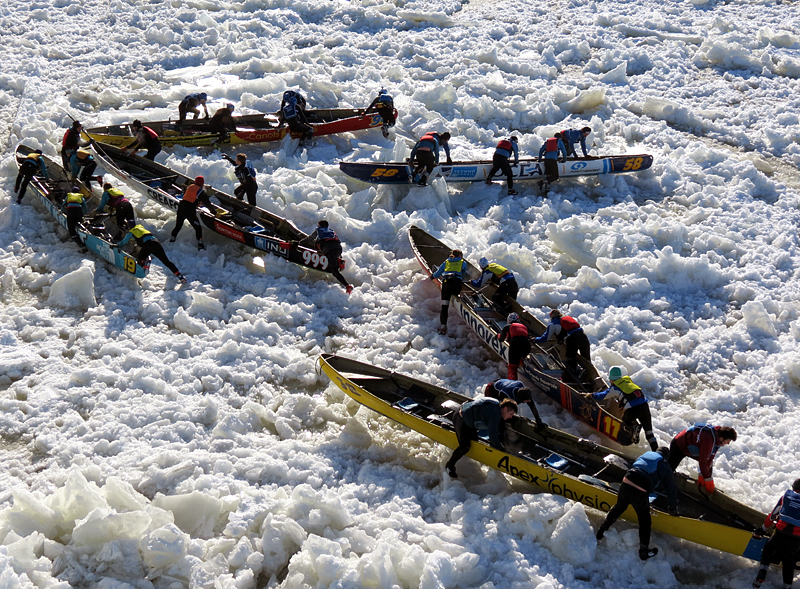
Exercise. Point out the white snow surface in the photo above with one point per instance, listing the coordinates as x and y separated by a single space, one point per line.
153 436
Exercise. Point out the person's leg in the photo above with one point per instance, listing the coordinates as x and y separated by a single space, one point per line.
675 455
464 435
251 190
506 169
623 500
644 417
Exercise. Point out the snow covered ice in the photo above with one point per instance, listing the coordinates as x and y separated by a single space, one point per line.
159 437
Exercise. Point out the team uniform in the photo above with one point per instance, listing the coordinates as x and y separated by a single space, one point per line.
222 122
187 211
502 153
293 108
30 166
425 155
572 136
70 144
329 245
482 414
500 275
650 471
550 151
519 345
635 404
452 272
118 205
508 388
150 246
75 207
246 175
190 104
85 160
384 106
148 139
567 330
700 442
784 545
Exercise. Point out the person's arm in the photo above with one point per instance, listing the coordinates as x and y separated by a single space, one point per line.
562 149
439 271
414 152
546 335
478 282
493 423
602 394
125 240
504 333
370 108
669 486
309 240
516 152
43 168
541 151
704 459
103 202
583 146
436 152
205 108
539 423
446 147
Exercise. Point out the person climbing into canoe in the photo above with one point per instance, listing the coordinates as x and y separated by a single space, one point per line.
425 155
293 113
118 205
190 103
71 143
784 545
32 165
146 138
550 150
326 242
187 210
452 272
632 400
246 175
384 106
494 273
519 343
649 472
487 414
502 153
509 388
572 136
82 159
701 442
148 246
567 330
75 208
222 122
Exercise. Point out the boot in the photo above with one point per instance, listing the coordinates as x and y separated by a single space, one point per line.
601 532
348 289
645 552
451 470
423 181
760 577
512 371
512 192
201 245
443 329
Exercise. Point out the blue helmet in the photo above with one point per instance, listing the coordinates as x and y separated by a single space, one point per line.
483 263
512 318
202 96
382 91
230 106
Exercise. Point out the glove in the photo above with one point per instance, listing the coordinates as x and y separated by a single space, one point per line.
758 533
707 484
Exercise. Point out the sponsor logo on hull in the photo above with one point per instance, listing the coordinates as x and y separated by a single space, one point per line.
228 231
270 246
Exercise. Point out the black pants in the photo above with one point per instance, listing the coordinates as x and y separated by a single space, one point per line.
640 501
425 162
124 213
451 287
784 548
74 218
298 126
187 211
500 163
87 174
507 288
577 343
153 147
387 114
551 169
676 454
152 247
518 348
21 185
465 435
333 252
249 187
641 414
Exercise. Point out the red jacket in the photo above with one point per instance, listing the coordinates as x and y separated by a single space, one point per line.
700 442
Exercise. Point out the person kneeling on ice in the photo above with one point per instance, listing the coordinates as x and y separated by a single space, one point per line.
425 155
187 210
519 343
505 388
118 205
327 243
502 153
567 330
148 246
384 106
632 400
784 545
648 472
701 442
500 275
549 151
487 414
75 207
30 166
452 272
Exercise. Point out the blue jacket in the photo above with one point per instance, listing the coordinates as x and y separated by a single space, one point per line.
573 136
552 155
630 393
129 236
554 331
244 172
451 274
652 470
484 414
508 388
39 161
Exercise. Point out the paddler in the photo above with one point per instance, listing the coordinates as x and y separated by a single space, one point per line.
452 272
187 210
